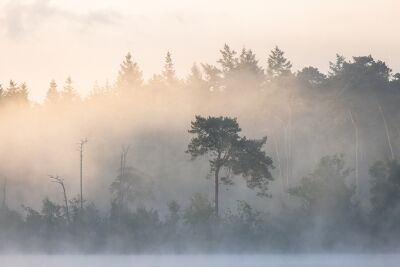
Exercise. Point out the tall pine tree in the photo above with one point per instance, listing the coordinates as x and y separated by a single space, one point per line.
168 72
69 94
52 95
130 76
278 65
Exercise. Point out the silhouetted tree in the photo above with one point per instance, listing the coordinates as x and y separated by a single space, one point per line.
248 65
229 60
323 184
278 65
52 95
385 196
130 77
213 78
219 138
362 73
335 68
195 78
58 180
395 82
12 90
15 94
69 93
168 72
311 77
240 72
327 200
200 216
23 94
127 187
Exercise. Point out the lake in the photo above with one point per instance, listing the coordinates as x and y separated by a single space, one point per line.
313 260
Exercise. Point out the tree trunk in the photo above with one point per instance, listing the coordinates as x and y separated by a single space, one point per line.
216 196
66 202
387 133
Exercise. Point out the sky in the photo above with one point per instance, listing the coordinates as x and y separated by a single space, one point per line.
42 40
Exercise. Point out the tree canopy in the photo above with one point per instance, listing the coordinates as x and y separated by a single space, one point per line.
218 137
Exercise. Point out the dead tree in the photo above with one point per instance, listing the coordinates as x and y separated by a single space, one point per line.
58 180
287 150
356 145
124 155
290 140
387 132
81 144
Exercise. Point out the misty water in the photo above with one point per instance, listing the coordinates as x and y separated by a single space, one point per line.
320 260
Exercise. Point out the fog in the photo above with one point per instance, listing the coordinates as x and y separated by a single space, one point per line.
331 185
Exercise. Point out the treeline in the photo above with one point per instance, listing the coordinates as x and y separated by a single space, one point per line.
234 71
327 217
321 202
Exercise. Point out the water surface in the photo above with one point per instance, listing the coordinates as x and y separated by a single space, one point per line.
313 260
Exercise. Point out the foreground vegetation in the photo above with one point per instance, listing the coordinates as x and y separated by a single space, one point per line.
327 218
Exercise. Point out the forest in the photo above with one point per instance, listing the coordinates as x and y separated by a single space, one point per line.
244 155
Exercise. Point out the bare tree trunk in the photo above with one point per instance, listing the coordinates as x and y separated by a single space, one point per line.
58 180
216 192
356 147
290 149
387 132
124 154
81 144
66 202
287 155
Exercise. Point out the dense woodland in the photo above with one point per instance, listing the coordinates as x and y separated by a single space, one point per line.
302 160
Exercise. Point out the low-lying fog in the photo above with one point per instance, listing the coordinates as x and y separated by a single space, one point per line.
333 140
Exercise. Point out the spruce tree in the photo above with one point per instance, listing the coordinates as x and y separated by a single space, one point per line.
22 94
129 76
69 94
229 61
278 65
52 96
11 90
168 73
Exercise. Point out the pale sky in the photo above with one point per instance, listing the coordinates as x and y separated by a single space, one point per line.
42 40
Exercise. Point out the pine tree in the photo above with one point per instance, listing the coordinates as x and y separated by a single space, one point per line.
22 94
129 76
278 65
168 73
336 67
69 94
101 91
248 62
16 94
52 96
195 76
195 81
229 61
11 90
